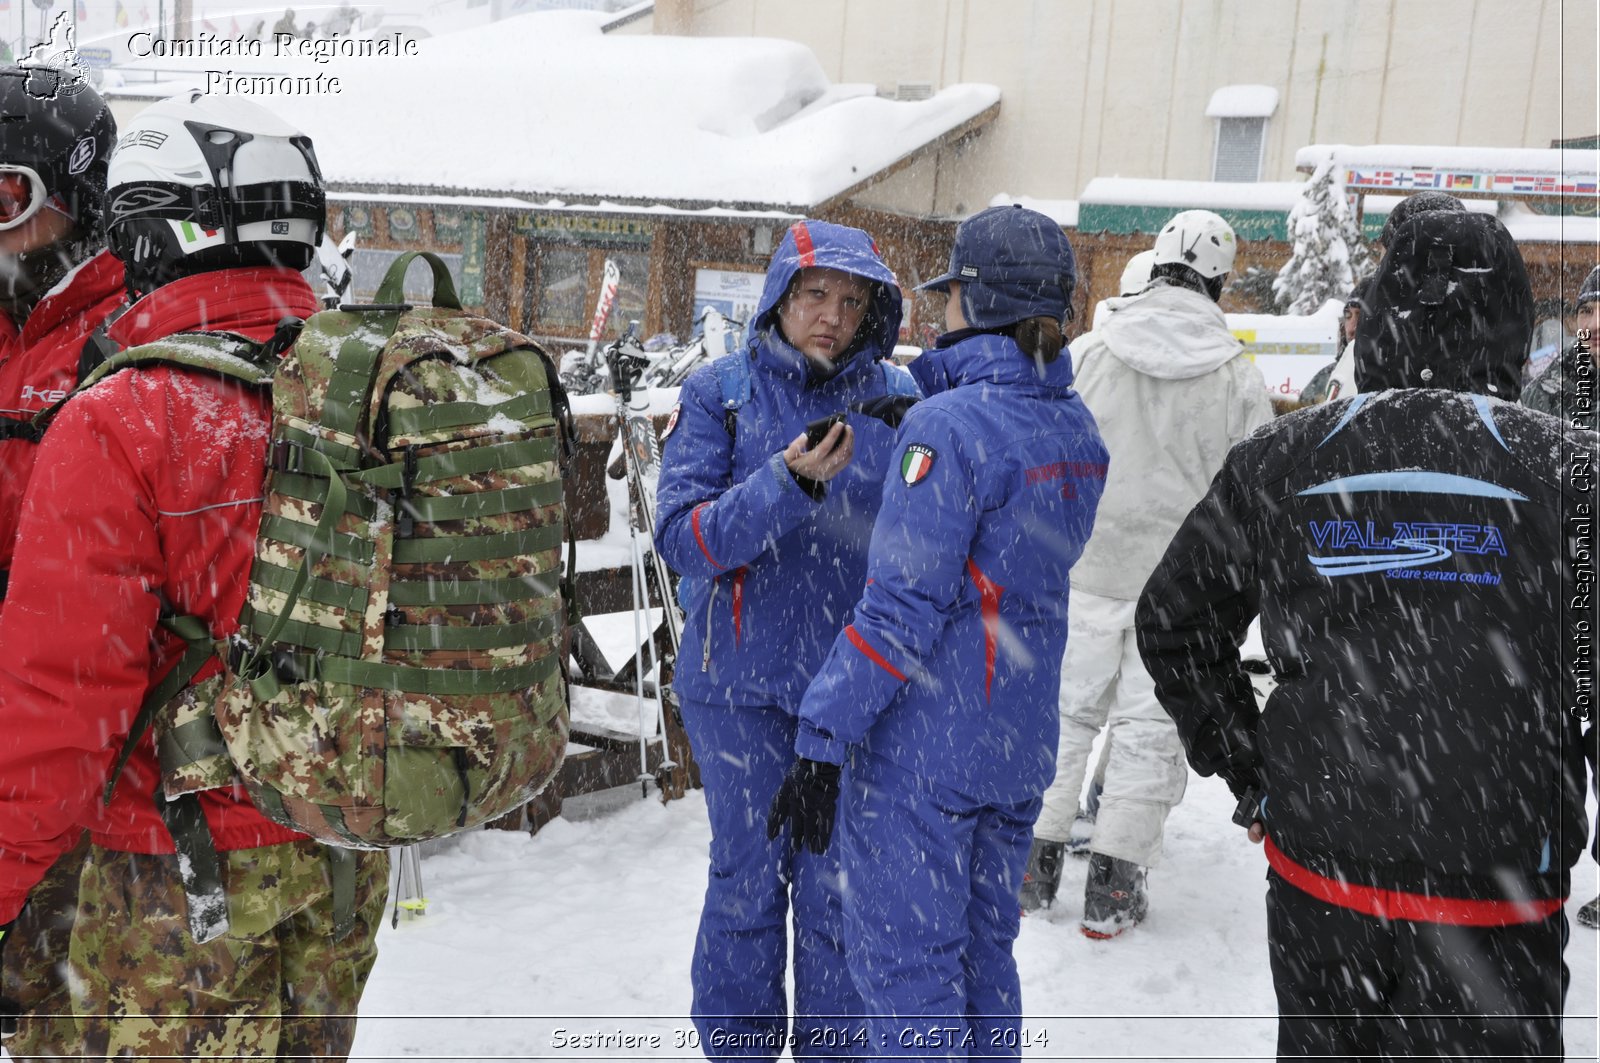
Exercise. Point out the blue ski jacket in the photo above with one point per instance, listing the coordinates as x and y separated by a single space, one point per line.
767 574
952 663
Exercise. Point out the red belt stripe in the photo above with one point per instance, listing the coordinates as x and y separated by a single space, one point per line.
1412 907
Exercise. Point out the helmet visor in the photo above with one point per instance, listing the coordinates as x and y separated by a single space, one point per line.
22 193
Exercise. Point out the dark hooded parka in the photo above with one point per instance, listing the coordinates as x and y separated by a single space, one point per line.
1408 551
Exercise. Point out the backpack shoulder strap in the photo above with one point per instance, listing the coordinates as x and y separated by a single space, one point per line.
23 428
222 353
99 346
96 349
897 380
199 648
217 352
733 378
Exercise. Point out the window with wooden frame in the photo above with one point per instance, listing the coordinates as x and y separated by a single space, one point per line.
563 286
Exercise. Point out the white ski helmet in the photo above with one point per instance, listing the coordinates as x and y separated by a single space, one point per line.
201 182
1198 239
1136 274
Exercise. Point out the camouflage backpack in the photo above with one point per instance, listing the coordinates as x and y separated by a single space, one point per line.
398 672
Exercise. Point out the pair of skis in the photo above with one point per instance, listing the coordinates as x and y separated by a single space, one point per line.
641 461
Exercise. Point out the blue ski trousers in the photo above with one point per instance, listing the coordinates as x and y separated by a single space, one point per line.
741 950
931 912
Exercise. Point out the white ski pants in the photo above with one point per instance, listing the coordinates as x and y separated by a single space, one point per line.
1104 684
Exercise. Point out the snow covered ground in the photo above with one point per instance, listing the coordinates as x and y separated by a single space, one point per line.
531 944
586 928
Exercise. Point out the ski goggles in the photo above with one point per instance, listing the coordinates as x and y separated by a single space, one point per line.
22 193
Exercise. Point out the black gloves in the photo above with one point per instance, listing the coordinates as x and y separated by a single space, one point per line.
9 1009
890 409
1232 755
808 801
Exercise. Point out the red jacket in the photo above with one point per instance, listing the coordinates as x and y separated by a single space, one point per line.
39 365
147 484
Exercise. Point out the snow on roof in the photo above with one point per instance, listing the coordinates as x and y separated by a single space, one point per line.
1234 195
1062 211
559 205
1243 101
546 104
1570 162
1526 226
1377 203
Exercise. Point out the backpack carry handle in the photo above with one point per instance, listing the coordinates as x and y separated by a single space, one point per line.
392 290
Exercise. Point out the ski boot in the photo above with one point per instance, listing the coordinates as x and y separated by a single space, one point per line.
1043 877
1114 897
1588 915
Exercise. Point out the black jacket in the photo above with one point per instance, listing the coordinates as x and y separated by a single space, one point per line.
1408 553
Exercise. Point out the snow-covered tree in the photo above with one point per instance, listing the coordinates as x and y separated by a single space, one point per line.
1328 255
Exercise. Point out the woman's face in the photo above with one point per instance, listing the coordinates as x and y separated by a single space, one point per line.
822 311
954 319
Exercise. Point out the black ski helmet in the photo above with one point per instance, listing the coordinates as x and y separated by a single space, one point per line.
202 182
65 136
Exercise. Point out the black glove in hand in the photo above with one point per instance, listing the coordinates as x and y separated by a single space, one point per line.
890 409
1233 756
9 1009
808 802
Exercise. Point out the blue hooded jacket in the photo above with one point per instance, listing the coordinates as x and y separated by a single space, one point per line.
952 664
767 575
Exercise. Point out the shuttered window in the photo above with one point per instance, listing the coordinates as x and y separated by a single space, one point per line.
1239 143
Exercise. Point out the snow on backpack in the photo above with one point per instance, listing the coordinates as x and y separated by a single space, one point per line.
398 672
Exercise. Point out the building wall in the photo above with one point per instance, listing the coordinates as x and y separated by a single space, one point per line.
1102 87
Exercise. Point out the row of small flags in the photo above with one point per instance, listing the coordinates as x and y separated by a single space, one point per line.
1513 183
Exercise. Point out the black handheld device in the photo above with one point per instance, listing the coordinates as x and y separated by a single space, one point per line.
817 430
1249 808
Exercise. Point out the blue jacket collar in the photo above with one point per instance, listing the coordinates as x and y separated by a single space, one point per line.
772 351
973 356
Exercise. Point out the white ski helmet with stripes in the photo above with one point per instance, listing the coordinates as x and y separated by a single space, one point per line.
1198 239
201 182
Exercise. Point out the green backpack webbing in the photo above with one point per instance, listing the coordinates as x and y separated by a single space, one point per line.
278 654
235 358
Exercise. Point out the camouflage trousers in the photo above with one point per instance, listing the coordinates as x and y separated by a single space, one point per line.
276 986
36 964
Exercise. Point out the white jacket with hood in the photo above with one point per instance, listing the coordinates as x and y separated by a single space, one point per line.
1172 392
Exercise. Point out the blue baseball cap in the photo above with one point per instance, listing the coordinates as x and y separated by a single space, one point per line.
1013 263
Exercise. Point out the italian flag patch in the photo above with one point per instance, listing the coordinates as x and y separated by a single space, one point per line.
193 237
916 463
